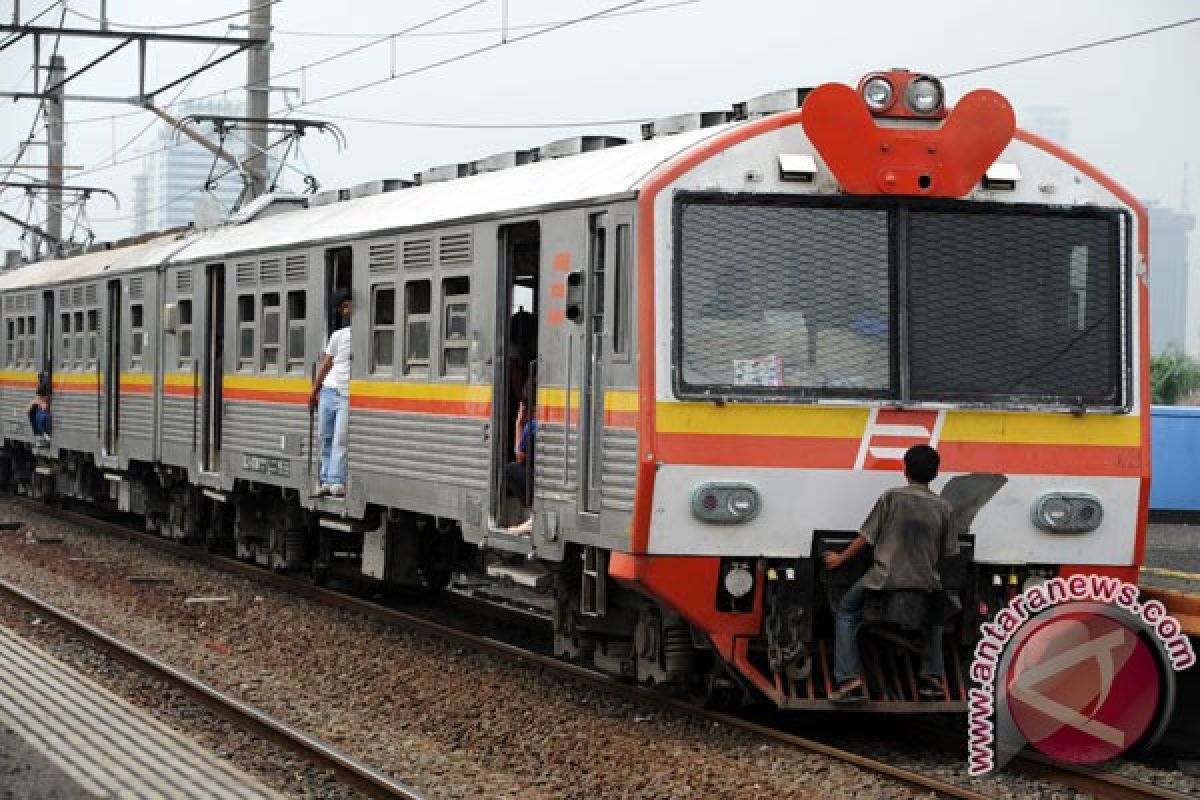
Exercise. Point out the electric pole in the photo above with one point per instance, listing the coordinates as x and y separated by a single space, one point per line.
258 94
55 144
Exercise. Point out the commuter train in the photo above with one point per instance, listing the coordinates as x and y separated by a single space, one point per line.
735 327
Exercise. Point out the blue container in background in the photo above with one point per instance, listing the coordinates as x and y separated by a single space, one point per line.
1175 448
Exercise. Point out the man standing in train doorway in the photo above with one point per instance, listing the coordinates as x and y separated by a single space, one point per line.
331 398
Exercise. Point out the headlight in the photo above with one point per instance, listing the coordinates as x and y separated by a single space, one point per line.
726 502
878 93
739 580
1068 512
924 95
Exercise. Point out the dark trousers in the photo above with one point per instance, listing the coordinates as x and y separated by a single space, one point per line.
516 480
39 420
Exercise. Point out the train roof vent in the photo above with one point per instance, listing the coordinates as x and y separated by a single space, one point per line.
578 144
499 161
379 186
446 172
325 198
269 205
770 103
684 122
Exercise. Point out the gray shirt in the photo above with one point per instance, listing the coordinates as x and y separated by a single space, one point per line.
910 529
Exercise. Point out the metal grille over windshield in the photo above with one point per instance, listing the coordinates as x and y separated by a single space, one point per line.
785 297
1015 305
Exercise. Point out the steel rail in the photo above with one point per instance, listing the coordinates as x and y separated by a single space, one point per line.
1094 782
354 773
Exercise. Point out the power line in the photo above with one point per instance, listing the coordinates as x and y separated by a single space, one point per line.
477 31
1074 49
13 37
463 56
486 125
176 26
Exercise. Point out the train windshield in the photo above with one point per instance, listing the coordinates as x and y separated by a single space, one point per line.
945 302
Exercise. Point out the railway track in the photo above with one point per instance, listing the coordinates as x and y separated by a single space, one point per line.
366 779
1094 782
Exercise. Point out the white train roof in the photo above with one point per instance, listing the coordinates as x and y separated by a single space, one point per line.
98 262
600 173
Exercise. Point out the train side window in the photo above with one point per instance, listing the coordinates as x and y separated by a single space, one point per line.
184 339
30 341
10 344
270 332
620 311
79 334
383 328
93 337
64 324
296 308
416 326
245 318
455 316
20 342
137 335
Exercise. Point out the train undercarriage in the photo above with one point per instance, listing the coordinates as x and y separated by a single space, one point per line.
595 620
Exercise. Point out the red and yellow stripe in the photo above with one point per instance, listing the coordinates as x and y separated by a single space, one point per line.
620 407
181 384
460 400
830 438
18 379
289 391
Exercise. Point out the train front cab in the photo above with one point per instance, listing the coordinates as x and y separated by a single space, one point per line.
806 328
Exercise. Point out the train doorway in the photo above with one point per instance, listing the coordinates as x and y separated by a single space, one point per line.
212 382
112 367
47 366
591 394
339 276
515 387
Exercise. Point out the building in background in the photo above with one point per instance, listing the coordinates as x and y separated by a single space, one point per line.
1049 122
1170 279
175 171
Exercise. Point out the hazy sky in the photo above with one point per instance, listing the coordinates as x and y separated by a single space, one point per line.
1132 105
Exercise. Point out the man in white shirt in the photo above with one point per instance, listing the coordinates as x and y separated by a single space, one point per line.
331 393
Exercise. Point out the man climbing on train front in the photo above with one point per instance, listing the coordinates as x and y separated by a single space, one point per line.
910 530
331 393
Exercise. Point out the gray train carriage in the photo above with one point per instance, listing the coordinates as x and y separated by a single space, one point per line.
87 325
463 289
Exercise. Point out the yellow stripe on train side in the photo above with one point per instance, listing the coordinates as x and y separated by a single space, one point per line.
1040 428
266 383
761 420
451 392
132 379
614 399
185 379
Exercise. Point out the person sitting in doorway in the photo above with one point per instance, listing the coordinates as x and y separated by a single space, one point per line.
910 529
39 411
517 474
330 398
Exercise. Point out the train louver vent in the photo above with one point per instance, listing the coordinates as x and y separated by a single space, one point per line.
295 269
89 295
77 296
382 258
137 287
454 248
64 297
243 273
270 270
183 281
418 253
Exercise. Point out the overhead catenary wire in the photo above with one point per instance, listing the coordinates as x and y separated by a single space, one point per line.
479 31
1073 49
175 26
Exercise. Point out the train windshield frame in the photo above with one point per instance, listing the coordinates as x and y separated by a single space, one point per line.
901 300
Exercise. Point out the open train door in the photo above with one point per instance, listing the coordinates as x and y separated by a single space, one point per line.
213 372
112 368
515 363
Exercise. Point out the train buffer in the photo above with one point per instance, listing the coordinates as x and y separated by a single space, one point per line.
72 733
